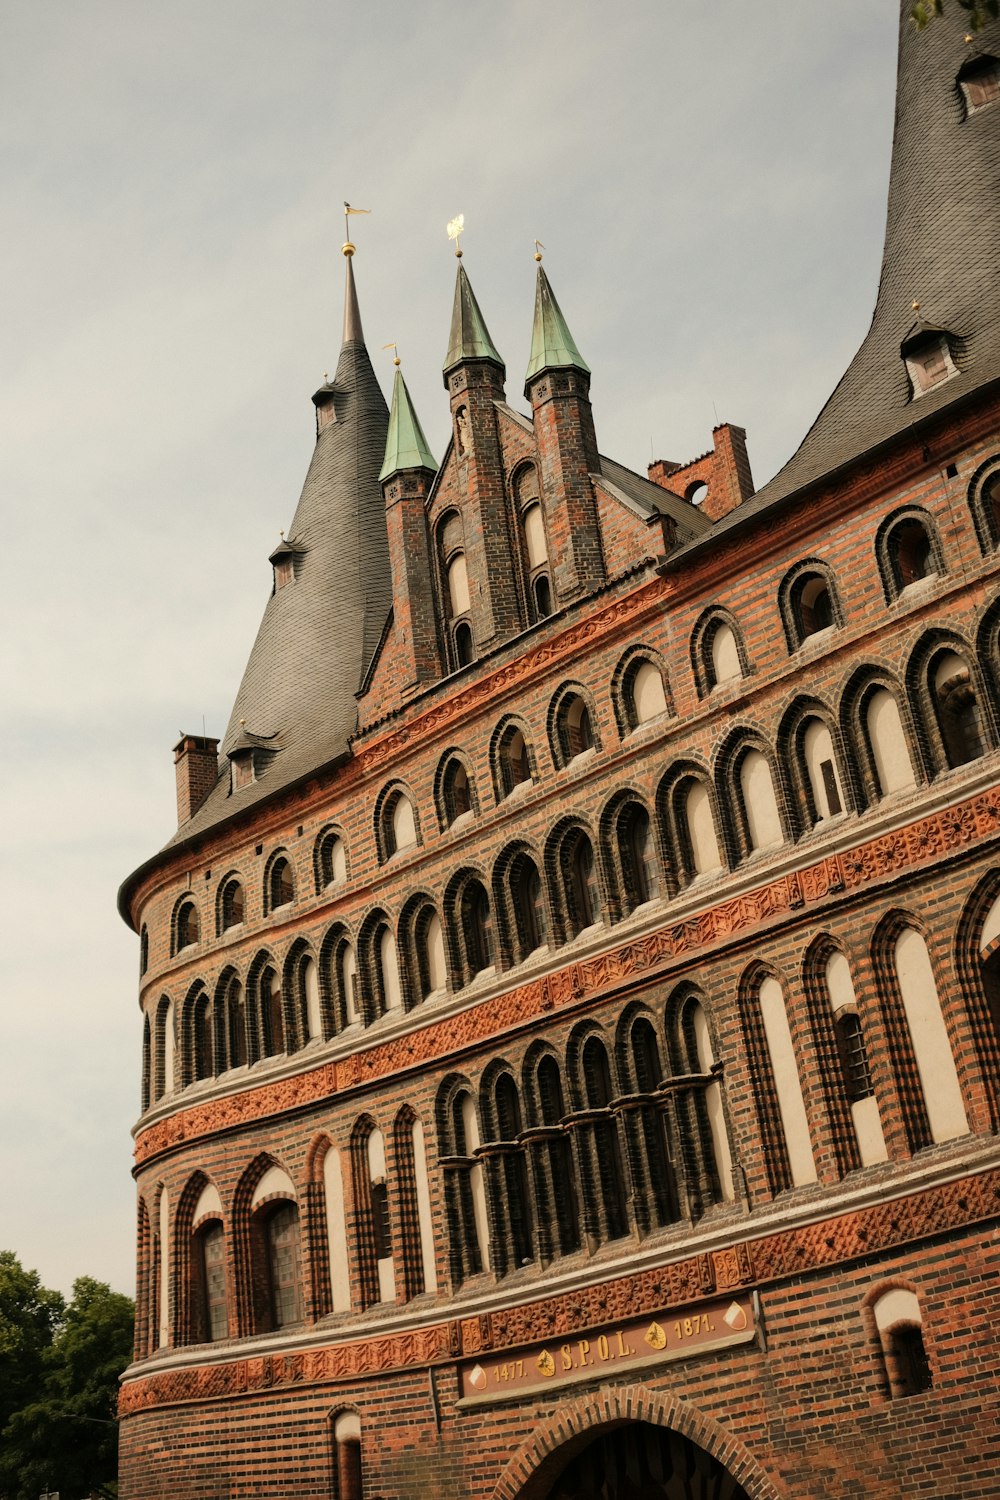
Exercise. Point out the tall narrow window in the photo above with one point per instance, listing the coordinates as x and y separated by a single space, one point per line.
534 547
760 806
236 1024
900 1328
607 1173
581 893
942 1093
231 905
347 1456
282 1237
852 1053
280 884
827 798
214 1311
513 764
887 741
957 710
699 828
791 1106
187 927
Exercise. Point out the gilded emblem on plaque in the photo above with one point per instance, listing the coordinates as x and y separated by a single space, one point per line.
478 1378
546 1363
655 1336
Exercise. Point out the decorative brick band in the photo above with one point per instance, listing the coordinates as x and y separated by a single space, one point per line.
920 843
749 1263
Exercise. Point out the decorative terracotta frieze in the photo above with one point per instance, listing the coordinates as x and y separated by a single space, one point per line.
752 1263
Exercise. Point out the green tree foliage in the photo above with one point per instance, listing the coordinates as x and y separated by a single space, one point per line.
59 1368
977 12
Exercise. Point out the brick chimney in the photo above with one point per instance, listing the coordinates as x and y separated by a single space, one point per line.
196 766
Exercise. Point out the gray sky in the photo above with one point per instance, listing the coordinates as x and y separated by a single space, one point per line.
708 177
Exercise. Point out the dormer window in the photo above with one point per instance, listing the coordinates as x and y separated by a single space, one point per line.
979 80
242 769
283 560
929 361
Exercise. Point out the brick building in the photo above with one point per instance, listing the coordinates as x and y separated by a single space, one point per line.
572 1002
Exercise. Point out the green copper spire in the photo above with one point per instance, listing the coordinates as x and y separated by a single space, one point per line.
405 444
470 337
552 344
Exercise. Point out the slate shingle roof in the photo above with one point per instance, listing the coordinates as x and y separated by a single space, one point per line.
318 634
942 249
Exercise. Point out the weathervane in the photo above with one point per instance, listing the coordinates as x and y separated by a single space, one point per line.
456 228
539 247
347 247
395 354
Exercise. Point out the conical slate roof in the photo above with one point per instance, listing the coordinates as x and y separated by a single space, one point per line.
319 631
942 249
552 345
469 337
405 447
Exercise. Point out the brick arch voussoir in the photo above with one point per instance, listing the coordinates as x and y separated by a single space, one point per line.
530 1472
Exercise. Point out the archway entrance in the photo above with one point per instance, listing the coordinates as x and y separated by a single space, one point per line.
637 1461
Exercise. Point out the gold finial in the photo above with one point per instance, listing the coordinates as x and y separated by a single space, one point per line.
539 247
347 248
282 535
243 723
395 354
456 228
915 306
968 38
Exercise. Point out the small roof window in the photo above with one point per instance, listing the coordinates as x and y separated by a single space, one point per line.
929 358
979 80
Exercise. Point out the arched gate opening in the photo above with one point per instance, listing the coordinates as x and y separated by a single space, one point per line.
638 1461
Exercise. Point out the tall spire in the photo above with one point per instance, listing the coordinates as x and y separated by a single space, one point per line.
352 312
552 344
325 615
405 446
470 337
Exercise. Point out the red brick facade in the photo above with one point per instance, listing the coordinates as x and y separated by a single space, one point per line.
596 1072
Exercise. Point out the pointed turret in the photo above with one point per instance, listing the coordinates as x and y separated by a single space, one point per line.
405 447
407 475
552 345
470 337
474 380
939 266
558 386
328 608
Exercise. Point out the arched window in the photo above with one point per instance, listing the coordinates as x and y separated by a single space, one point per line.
336 1231
269 1018
374 1227
347 966
234 1008
785 1094
458 585
511 761
553 1169
232 905
814 764
507 1178
390 993
579 889
888 757
455 803
900 1328
346 1426
808 601
330 857
281 1238
147 1064
279 883
476 930
415 1225
699 1106
853 1070
534 550
301 983
187 926
984 501
572 727
163 1069
717 651
143 949
200 1038
455 587
421 947
397 823
520 903
689 807
956 706
644 1126
760 826
639 691
926 1076
637 866
211 1313
908 552
465 1192
602 1167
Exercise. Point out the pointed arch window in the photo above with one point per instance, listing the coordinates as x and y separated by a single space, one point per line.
507 1176
603 1166
212 1313
534 548
553 1167
281 1236
787 1086
465 1191
858 1089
